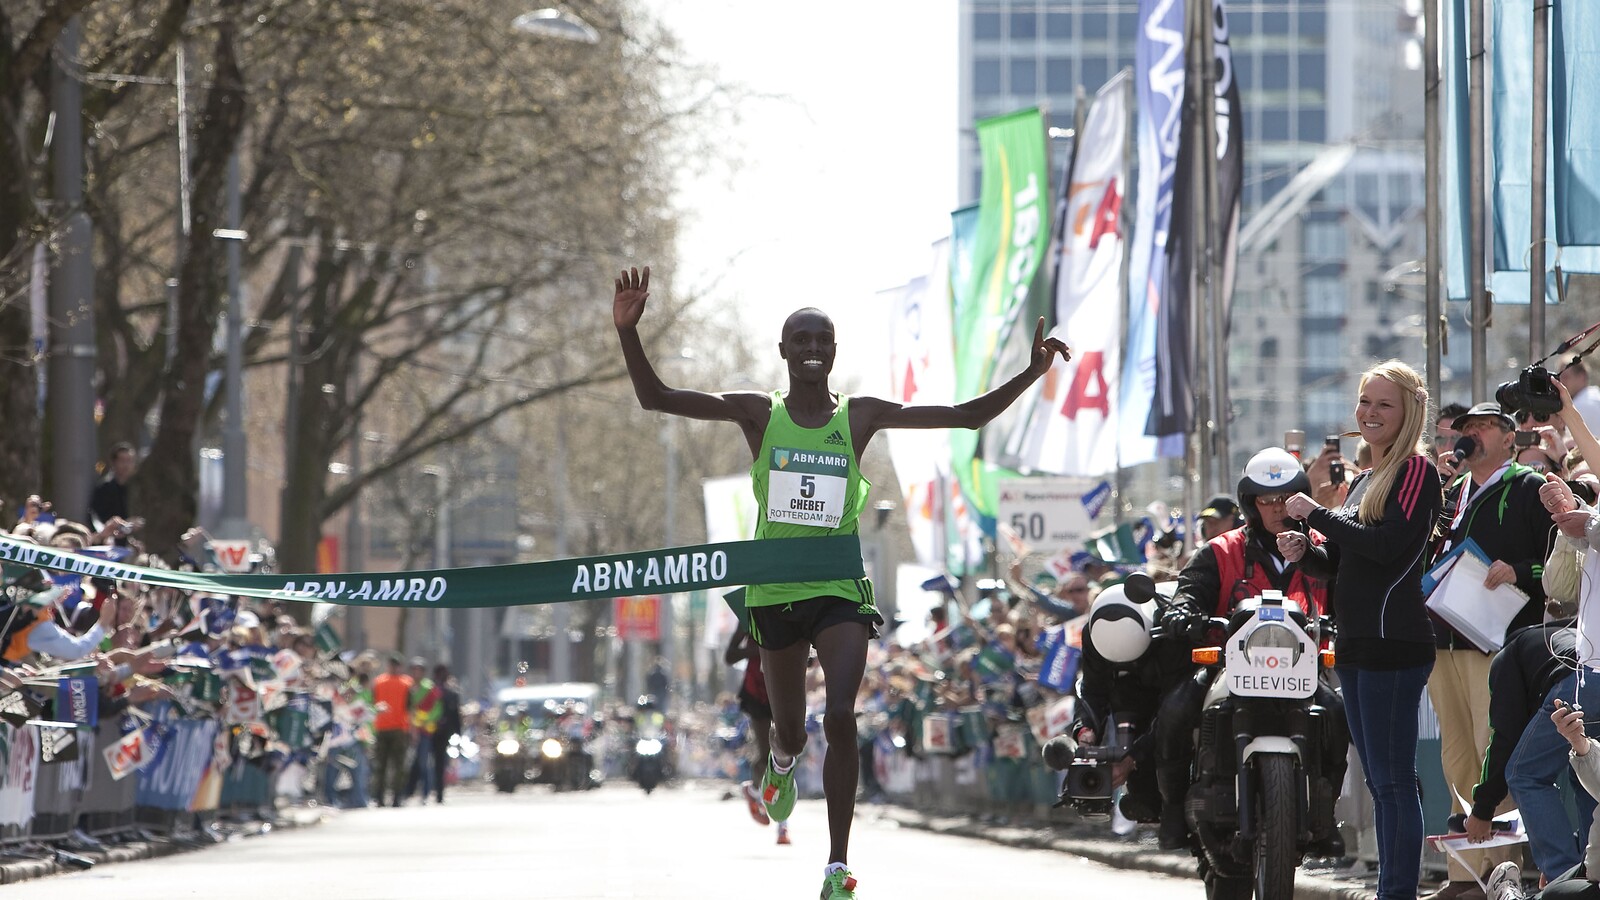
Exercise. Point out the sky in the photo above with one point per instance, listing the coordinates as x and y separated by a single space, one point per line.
847 161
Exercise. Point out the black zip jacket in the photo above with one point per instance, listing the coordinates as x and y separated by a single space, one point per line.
1510 524
1523 672
1377 597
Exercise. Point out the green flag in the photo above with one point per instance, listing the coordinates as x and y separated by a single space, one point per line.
1007 244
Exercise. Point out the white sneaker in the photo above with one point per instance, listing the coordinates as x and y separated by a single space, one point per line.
1504 882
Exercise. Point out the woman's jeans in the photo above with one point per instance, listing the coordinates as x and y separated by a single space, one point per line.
1381 707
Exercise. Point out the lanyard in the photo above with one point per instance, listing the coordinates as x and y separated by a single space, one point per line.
1461 508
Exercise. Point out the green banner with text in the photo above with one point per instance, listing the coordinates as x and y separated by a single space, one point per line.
1007 243
667 571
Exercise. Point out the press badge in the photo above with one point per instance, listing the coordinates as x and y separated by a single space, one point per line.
807 487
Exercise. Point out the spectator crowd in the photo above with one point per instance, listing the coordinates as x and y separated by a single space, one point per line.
996 675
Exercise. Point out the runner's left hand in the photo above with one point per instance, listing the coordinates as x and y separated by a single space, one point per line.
1044 351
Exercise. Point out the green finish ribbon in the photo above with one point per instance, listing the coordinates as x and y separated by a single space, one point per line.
667 571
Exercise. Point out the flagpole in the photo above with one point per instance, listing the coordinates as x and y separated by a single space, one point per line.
1130 203
1477 176
1433 323
1199 446
1212 218
1541 101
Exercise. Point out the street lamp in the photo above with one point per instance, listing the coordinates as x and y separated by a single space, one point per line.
553 23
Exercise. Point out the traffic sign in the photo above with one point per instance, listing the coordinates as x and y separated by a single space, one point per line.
1047 514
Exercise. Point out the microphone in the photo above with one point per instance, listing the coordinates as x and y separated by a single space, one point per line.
1463 449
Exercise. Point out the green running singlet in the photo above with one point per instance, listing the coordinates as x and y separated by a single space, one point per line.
807 484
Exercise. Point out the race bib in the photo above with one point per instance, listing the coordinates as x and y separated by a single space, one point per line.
807 487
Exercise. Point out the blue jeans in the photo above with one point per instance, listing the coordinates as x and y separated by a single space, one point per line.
1381 707
1534 771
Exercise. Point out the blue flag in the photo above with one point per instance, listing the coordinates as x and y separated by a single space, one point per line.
1575 122
1059 670
78 700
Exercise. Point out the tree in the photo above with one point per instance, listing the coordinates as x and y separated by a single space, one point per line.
425 190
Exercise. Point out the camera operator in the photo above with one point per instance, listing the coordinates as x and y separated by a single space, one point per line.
1122 677
1231 568
1494 502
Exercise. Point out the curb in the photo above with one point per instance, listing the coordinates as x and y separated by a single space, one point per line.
134 851
1118 855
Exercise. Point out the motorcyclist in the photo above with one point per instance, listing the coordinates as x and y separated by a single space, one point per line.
1230 568
648 719
650 722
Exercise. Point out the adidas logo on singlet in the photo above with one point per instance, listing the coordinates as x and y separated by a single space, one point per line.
834 440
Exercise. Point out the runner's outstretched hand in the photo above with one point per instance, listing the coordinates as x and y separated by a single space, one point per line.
633 289
1044 349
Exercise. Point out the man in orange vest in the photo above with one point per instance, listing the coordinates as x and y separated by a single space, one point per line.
1230 568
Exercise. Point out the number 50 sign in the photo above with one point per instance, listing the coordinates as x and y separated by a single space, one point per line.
1046 513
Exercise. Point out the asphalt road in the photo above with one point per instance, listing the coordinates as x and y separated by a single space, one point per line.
615 842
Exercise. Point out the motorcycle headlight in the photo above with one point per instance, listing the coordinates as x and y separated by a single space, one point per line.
508 747
648 747
469 749
551 748
1274 637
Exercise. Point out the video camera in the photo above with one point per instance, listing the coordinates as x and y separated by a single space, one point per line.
1088 785
1534 391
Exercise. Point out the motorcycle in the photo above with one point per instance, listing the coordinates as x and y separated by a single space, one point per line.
648 768
1259 795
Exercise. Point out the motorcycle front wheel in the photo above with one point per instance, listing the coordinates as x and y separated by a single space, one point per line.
1276 827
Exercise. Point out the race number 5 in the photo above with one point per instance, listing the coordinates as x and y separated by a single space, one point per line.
808 486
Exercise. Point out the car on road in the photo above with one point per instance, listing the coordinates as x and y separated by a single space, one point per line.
542 736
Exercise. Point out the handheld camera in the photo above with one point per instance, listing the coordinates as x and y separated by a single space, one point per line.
1088 786
1534 391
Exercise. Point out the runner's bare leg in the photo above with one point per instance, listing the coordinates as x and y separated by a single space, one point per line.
842 653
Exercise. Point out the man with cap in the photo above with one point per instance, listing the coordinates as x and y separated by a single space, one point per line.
1494 501
1220 516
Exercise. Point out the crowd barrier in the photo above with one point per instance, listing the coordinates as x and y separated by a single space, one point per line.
183 773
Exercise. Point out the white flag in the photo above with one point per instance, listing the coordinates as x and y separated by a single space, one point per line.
921 372
1071 428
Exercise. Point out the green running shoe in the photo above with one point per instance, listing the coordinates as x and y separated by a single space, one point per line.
777 793
839 885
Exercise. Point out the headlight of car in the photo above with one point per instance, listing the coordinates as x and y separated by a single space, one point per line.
508 747
551 748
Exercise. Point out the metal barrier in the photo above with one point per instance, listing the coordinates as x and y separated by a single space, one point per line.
108 804
168 786
57 799
19 770
246 789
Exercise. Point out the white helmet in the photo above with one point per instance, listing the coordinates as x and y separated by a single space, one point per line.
1273 471
1118 628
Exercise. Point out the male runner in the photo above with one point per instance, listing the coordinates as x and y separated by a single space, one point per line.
821 494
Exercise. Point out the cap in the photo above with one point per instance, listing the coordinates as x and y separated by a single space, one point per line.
1220 507
1486 408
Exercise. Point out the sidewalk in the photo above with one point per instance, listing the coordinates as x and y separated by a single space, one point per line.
13 870
1120 853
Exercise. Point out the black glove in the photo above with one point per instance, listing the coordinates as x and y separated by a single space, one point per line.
1181 622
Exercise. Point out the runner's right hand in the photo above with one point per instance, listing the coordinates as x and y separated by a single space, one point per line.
633 289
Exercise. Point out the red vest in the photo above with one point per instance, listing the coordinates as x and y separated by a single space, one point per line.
1242 578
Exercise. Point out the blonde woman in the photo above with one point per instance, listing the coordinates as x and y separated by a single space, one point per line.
1377 546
